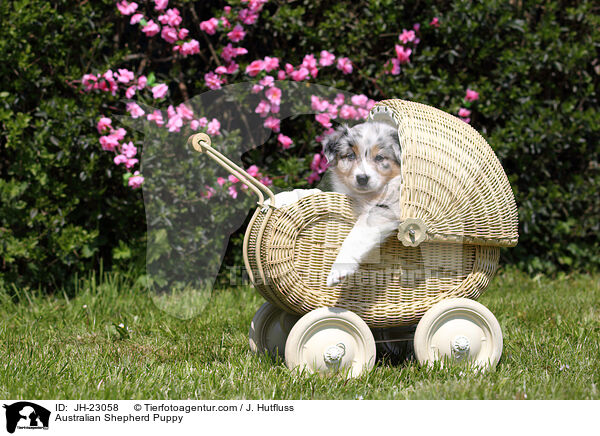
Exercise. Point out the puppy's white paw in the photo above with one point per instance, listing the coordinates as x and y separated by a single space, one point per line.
339 271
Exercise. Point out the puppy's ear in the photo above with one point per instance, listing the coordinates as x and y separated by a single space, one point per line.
395 141
331 143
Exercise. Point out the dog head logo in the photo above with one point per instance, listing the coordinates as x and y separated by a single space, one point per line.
26 415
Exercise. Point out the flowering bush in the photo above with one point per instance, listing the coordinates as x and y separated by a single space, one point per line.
523 74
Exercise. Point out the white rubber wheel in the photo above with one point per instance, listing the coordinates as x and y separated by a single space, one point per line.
329 340
269 330
459 330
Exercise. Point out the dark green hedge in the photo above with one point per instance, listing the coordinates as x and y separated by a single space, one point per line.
63 206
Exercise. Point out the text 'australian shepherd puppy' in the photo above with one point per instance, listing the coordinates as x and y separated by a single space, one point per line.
365 164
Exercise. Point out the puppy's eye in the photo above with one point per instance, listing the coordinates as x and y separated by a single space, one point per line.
379 158
349 156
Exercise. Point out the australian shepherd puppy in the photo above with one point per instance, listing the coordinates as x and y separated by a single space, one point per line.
365 165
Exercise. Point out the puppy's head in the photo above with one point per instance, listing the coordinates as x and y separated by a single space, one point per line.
363 158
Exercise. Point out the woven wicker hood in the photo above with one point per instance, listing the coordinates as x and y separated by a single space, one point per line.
454 187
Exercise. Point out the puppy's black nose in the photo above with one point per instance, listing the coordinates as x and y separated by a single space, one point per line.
362 179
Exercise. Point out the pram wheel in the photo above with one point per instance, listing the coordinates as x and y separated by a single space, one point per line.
459 330
329 340
269 330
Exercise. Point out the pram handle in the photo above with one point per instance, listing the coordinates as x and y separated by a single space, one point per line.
201 143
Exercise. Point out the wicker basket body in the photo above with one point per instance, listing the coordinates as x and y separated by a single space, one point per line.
291 252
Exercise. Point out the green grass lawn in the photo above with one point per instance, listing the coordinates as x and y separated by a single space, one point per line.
73 348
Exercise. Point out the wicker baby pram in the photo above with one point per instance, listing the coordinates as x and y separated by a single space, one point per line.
457 210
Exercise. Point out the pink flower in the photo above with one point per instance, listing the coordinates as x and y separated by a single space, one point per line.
345 65
314 165
263 108
119 134
209 26
190 47
136 18
232 192
159 91
125 76
323 119
309 61
156 116
194 124
339 99
129 150
253 170
247 16
313 178
289 68
266 181
274 108
232 68
435 22
281 75
237 34
119 159
130 92
267 81
272 123
109 142
184 112
221 181
332 110
142 81
348 112
225 22
88 81
300 74
255 67
135 181
362 113
285 141
221 70
256 89
213 127
462 112
183 33
103 124
466 120
273 94
135 110
127 8
403 54
175 121
471 95
327 58
202 122
359 100
169 34
227 9
318 104
407 36
212 80
271 63
229 52
395 67
172 18
232 178
151 28
210 191
159 5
